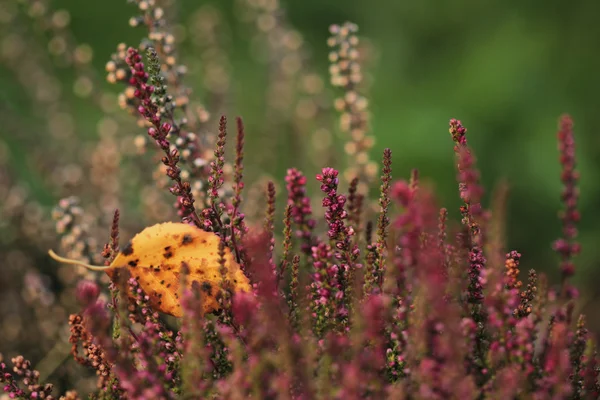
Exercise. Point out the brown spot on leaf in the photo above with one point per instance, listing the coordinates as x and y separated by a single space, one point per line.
187 239
133 263
128 250
206 287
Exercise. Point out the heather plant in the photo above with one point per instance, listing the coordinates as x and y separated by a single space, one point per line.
342 302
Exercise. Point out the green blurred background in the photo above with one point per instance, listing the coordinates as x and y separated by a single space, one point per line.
507 69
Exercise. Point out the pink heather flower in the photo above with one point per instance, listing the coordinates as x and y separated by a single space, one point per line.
87 292
402 193
345 252
301 209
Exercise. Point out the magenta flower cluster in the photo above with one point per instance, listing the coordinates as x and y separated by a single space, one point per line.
437 321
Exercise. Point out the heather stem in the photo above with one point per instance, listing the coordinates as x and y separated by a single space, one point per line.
384 203
301 209
238 185
345 252
111 249
270 223
293 297
355 203
159 132
442 235
287 243
471 193
567 246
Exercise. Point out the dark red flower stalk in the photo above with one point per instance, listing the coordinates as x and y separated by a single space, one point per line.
545 347
111 249
211 216
301 209
369 232
270 224
237 385
287 244
521 345
500 324
345 252
117 351
163 353
397 282
567 247
159 132
238 228
413 183
294 295
323 289
471 193
167 74
145 362
215 181
436 346
511 334
556 368
355 207
266 325
219 358
226 288
384 204
370 273
361 374
468 181
409 225
506 384
527 296
259 266
442 236
477 264
143 311
578 347
591 374
196 368
154 375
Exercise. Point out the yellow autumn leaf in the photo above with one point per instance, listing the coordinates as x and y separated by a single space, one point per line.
156 255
